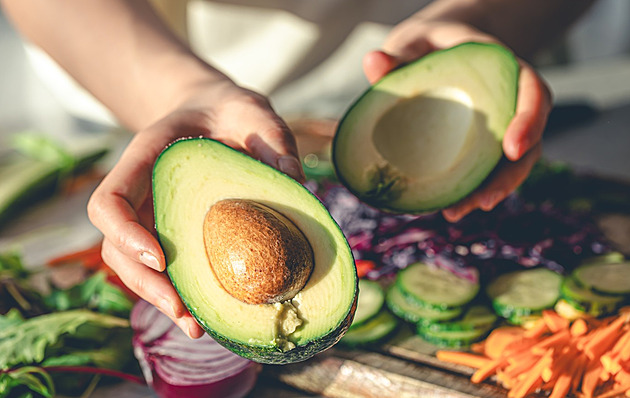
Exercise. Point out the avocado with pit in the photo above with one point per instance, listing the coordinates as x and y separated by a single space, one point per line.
427 134
256 258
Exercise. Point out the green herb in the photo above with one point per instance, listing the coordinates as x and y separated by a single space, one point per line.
26 342
94 293
21 382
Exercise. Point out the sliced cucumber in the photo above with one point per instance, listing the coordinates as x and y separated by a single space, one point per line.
605 278
436 288
522 293
373 331
408 310
588 301
612 257
370 302
475 317
451 338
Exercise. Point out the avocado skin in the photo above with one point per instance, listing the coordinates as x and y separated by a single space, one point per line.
269 354
384 203
274 356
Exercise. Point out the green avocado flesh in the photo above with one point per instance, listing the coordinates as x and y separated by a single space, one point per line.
188 178
427 134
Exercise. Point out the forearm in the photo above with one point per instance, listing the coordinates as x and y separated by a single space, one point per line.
523 25
119 50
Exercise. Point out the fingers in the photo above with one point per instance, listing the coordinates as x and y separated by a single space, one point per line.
252 123
152 286
112 211
507 177
377 64
275 145
532 110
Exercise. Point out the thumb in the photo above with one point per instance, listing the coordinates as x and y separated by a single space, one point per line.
378 63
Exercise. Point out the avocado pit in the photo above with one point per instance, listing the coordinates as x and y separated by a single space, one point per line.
258 255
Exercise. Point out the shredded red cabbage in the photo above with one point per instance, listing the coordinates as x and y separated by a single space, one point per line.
514 234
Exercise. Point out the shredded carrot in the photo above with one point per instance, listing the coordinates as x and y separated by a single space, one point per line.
463 358
538 328
583 358
89 258
579 327
554 322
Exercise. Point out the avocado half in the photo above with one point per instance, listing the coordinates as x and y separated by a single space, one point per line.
188 178
427 134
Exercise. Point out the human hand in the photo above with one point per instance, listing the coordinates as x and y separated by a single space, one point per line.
416 37
121 206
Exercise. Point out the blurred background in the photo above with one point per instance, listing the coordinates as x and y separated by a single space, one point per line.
588 71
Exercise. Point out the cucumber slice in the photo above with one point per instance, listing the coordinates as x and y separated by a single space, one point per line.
605 278
436 288
522 293
373 331
370 301
476 317
411 312
451 338
589 301
612 257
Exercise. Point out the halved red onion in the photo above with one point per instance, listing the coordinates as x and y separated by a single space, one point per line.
176 366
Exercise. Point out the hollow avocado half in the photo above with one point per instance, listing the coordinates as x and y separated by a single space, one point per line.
188 178
429 133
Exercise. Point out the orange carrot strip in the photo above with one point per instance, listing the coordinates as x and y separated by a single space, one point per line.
558 339
623 342
591 378
532 379
463 358
579 327
615 392
610 362
605 337
562 385
579 368
538 329
623 377
488 370
502 337
554 322
87 256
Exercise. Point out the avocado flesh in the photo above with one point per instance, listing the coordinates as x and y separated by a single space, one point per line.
189 177
429 133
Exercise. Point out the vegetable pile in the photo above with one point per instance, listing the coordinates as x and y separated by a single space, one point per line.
61 341
537 226
177 366
587 357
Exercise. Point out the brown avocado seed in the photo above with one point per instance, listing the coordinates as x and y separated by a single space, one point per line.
258 255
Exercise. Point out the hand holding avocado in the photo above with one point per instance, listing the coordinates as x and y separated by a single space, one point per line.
437 28
121 207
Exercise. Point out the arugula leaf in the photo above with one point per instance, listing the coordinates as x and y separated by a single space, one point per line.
94 293
26 342
30 377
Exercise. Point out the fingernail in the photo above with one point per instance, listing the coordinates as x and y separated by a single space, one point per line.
150 260
167 308
291 166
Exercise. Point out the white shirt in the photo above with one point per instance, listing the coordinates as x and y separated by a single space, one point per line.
304 54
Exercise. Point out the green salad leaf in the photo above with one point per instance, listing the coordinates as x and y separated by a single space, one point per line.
26 342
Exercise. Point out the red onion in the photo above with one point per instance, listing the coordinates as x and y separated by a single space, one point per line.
176 366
